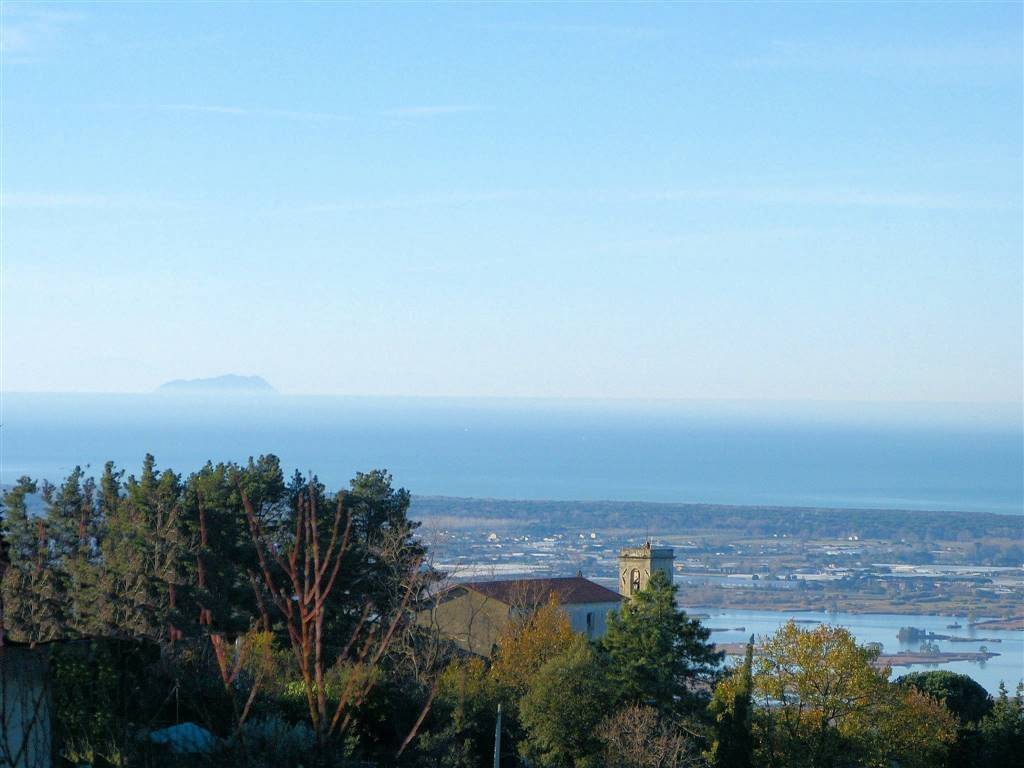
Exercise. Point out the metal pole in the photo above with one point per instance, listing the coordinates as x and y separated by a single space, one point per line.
497 739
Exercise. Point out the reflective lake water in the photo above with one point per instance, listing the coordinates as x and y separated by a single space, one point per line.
882 628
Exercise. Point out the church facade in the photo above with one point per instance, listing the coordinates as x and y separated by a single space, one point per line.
474 613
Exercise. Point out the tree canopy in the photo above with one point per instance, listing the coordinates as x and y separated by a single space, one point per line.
656 654
823 703
284 617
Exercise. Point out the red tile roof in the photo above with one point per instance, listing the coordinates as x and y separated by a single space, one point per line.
569 590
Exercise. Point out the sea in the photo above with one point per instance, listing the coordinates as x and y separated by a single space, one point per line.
868 455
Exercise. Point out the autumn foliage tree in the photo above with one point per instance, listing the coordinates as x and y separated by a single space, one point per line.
529 641
825 704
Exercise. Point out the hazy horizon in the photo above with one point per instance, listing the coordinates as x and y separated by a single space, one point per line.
863 455
1014 406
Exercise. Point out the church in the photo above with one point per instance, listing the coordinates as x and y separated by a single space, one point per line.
473 613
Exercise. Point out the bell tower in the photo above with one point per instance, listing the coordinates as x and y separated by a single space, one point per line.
638 564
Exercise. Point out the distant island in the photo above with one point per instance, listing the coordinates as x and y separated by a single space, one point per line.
227 383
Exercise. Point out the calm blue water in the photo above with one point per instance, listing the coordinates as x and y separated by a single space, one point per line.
856 455
1007 667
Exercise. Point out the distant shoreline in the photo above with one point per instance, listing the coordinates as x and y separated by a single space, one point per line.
708 506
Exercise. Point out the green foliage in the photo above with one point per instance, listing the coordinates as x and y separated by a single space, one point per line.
824 705
27 589
143 554
273 742
731 709
657 654
14 521
382 551
155 578
965 699
221 555
961 694
170 563
102 694
1002 729
566 701
463 719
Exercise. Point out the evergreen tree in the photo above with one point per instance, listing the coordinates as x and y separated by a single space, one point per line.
961 694
656 654
144 554
384 547
966 699
22 606
35 584
732 709
14 521
382 555
1002 729
222 563
75 525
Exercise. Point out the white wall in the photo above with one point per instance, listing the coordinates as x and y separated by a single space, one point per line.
578 617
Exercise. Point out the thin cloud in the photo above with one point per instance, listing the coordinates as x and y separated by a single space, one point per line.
797 196
432 110
218 109
614 33
411 112
62 201
809 197
26 32
948 61
849 197
421 201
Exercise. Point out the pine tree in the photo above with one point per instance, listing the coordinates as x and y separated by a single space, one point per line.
1002 729
14 521
74 522
225 594
144 553
657 655
36 583
17 594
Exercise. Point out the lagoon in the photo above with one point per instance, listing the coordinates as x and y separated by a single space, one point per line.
1008 667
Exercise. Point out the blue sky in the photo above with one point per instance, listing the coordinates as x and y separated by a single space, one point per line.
658 201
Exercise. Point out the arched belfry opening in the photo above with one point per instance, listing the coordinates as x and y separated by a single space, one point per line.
638 564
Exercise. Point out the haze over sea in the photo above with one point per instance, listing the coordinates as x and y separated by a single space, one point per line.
900 456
